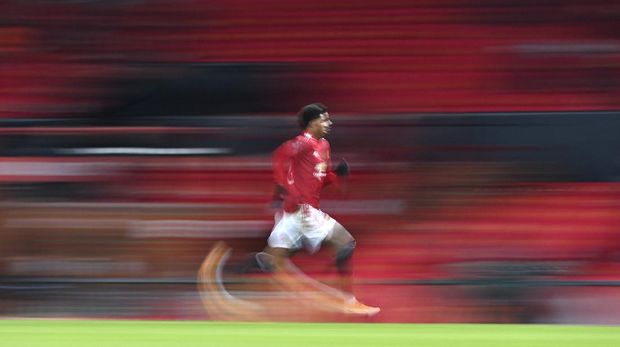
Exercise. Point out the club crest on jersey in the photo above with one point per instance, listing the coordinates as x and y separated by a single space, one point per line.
320 170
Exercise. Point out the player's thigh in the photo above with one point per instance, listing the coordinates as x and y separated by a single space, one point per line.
317 226
321 228
339 236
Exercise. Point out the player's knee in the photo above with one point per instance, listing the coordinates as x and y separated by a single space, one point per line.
344 253
265 262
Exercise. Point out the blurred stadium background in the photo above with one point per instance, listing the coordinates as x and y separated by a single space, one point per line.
482 136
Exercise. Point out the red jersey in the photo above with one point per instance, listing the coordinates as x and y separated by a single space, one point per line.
302 166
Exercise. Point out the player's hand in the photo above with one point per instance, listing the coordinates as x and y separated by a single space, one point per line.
342 169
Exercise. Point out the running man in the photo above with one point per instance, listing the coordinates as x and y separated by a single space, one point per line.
302 167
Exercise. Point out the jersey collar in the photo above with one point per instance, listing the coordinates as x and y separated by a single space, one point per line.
308 135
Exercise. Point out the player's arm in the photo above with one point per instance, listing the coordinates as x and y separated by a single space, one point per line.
282 160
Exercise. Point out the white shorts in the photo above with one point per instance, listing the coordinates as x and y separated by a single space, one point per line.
307 227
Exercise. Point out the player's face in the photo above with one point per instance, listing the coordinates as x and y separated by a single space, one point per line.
325 124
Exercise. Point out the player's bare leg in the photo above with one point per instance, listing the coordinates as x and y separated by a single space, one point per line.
221 304
343 244
294 280
278 260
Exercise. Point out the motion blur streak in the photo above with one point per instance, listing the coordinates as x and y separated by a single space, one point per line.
482 138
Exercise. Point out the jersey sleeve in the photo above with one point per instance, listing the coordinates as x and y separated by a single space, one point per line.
283 158
281 161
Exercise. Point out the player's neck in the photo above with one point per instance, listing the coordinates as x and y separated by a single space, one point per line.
313 135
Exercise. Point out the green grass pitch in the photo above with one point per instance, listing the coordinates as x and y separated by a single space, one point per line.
104 333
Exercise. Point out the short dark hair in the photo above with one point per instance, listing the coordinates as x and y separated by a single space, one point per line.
310 112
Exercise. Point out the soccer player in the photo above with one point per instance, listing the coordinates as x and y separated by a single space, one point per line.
302 167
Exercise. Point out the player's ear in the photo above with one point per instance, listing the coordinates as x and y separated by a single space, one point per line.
312 123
